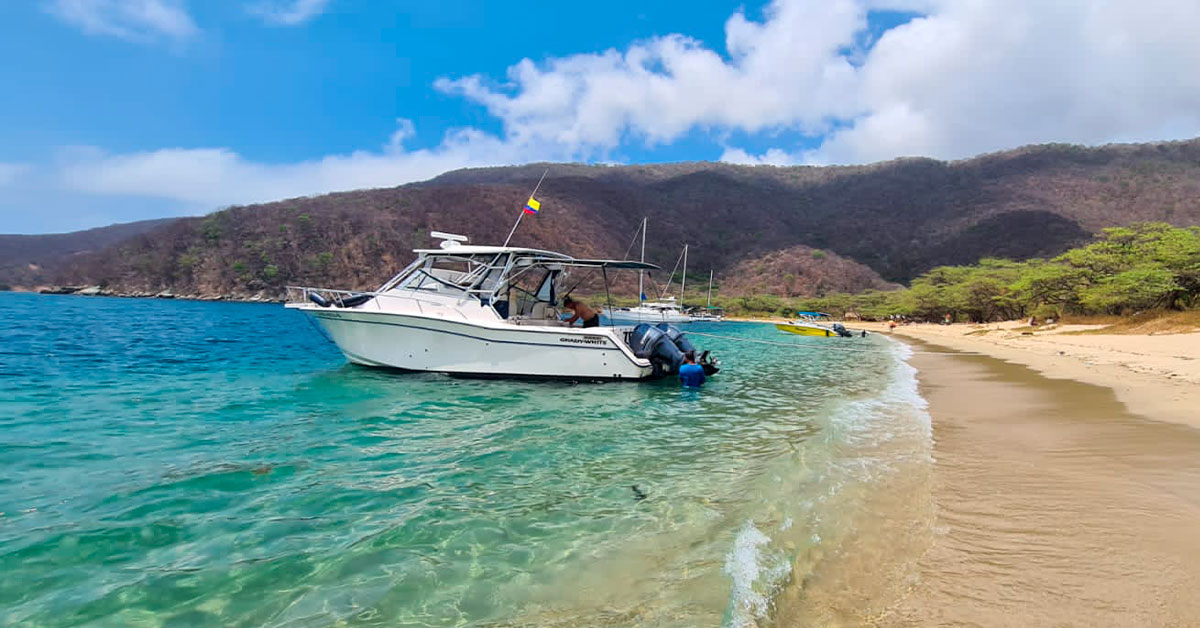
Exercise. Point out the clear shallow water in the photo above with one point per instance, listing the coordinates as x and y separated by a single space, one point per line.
177 463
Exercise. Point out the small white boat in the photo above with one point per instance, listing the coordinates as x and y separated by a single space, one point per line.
664 310
487 311
709 314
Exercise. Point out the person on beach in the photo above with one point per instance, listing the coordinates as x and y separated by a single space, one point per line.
691 375
582 312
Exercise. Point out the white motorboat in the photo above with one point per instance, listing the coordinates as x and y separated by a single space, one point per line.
488 311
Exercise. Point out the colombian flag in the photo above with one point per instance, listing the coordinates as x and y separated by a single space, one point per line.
532 206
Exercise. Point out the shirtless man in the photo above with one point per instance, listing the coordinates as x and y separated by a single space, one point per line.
582 312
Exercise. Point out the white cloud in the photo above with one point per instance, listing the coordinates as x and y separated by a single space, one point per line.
784 72
9 172
980 76
288 12
970 76
212 177
131 20
771 157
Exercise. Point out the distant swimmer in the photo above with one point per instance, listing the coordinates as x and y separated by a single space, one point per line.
582 312
638 494
690 373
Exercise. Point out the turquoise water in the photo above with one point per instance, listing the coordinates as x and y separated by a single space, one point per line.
197 464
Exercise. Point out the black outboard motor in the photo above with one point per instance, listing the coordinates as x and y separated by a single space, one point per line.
652 343
842 331
664 345
681 341
676 337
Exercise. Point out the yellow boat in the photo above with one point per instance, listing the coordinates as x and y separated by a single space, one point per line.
813 324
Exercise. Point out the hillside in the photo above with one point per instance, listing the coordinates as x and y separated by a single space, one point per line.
801 271
898 218
30 260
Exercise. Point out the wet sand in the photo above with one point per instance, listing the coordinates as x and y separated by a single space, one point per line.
1155 375
1053 506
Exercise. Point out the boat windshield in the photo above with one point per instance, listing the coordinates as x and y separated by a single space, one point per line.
516 282
454 275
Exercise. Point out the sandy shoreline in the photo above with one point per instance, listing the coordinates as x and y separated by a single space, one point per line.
1055 505
1156 376
1045 502
1064 487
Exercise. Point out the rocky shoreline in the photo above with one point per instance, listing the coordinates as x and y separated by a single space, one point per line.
98 291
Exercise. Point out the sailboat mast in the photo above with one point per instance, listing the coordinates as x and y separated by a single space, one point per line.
710 273
683 282
642 273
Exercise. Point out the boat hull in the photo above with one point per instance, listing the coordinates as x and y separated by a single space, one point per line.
632 317
417 343
803 329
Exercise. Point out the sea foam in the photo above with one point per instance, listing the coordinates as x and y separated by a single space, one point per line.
756 572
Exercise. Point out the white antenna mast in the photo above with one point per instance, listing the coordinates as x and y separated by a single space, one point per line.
710 273
642 273
683 281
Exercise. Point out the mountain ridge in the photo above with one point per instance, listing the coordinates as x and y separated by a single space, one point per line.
32 259
897 218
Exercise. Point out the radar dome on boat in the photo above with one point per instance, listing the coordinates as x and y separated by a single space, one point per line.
448 240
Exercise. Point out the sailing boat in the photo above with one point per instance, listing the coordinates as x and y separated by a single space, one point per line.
664 310
710 314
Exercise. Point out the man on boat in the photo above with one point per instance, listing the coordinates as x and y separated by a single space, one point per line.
582 312
691 375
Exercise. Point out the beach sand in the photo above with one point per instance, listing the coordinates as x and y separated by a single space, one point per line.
1157 376
1049 504
1056 506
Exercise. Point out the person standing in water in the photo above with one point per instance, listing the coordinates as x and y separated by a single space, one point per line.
691 375
582 311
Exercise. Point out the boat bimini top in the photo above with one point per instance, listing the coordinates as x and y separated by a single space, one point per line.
490 311
513 280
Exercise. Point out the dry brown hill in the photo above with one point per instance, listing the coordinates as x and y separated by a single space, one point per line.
898 218
801 271
31 260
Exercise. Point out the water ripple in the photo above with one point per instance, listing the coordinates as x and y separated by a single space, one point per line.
219 464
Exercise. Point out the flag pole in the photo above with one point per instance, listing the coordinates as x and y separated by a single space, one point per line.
522 214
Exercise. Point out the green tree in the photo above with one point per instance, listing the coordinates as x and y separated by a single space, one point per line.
1140 288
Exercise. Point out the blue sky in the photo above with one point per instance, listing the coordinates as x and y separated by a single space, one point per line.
334 84
117 110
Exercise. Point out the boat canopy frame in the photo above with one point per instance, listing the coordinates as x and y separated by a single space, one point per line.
492 271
